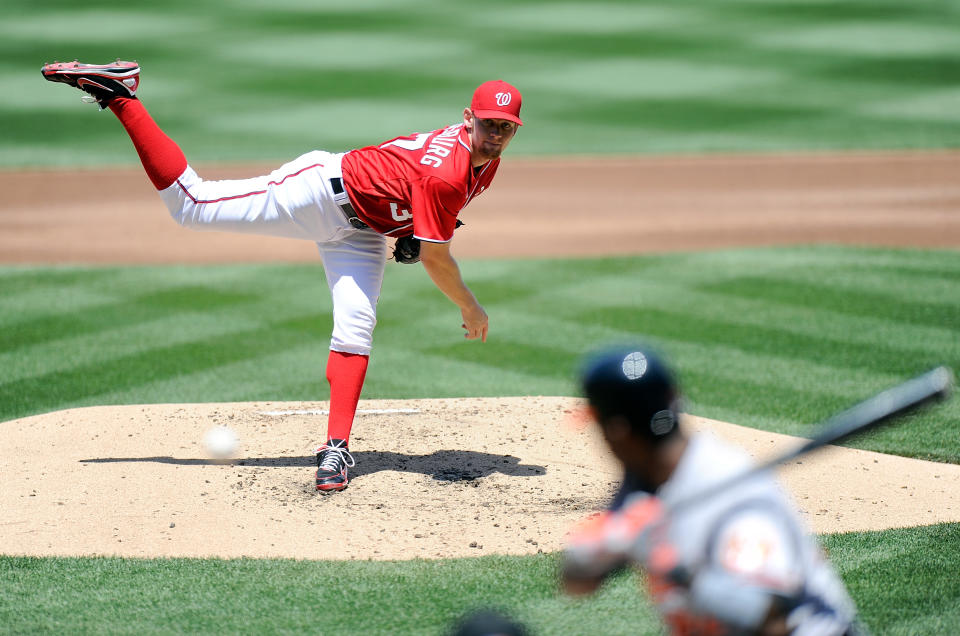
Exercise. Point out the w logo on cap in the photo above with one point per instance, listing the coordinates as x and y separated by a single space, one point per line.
497 100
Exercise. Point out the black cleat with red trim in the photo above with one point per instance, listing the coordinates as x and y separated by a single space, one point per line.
333 459
102 82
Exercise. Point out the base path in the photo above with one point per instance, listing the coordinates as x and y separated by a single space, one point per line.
468 477
546 207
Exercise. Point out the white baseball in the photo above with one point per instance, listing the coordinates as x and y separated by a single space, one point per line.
220 441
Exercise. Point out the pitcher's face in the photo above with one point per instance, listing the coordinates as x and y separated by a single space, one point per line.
488 137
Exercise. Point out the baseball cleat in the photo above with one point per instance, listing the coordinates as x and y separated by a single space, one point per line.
333 459
102 82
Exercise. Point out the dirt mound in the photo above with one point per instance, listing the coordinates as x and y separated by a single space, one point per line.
434 478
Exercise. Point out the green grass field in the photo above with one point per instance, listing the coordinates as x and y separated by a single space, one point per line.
107 595
775 339
271 80
772 338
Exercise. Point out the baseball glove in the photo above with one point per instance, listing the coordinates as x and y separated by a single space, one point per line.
407 248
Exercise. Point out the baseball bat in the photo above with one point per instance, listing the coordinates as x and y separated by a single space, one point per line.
883 407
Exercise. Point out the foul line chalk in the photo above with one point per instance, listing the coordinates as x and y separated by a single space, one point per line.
326 412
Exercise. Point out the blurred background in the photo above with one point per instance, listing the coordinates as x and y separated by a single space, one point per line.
251 79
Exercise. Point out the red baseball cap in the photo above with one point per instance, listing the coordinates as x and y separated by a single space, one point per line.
497 100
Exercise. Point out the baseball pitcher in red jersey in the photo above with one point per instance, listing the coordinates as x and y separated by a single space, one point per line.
410 188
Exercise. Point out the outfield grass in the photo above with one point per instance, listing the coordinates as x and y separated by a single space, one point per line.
272 80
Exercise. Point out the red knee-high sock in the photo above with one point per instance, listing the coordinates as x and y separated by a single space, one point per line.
345 373
161 156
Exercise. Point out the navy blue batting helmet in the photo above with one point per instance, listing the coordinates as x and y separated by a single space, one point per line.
632 382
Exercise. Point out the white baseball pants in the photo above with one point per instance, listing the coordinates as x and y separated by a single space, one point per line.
296 201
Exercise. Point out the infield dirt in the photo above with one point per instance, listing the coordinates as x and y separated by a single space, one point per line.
438 478
434 478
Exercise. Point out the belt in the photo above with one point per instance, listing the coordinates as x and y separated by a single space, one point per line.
343 202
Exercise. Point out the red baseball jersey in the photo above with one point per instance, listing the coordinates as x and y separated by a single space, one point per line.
418 183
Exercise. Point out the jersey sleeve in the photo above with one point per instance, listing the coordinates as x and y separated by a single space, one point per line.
752 559
760 545
756 569
435 206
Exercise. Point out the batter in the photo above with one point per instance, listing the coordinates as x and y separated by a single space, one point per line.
738 562
410 188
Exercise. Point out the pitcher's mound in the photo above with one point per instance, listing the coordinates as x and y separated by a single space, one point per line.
434 478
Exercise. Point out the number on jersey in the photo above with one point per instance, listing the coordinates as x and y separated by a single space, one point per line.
411 142
398 214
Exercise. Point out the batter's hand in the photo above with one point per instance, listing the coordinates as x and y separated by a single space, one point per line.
476 323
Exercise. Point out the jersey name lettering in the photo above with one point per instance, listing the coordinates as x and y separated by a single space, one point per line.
440 147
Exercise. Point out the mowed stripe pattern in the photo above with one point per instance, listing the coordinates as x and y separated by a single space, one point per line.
771 338
605 77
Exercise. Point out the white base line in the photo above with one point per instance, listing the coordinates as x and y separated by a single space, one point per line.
326 412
